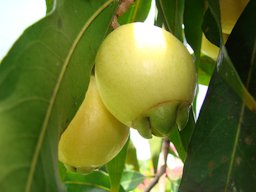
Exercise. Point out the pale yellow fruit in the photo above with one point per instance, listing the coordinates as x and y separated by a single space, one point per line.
145 77
230 12
93 137
209 48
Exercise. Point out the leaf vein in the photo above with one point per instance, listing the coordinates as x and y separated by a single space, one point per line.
55 91
234 150
21 101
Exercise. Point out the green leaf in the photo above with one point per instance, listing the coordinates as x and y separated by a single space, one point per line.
193 19
181 139
131 179
187 132
50 5
81 188
171 12
206 68
115 168
175 138
138 12
221 155
131 157
97 181
43 80
211 24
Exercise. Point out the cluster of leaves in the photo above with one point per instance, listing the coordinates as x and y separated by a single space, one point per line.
44 76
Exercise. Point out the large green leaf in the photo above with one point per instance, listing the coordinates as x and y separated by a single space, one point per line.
43 80
222 153
95 181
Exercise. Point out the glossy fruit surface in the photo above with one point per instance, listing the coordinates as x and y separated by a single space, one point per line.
93 137
146 78
230 12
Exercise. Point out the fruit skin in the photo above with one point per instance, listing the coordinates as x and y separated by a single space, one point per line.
140 68
93 137
209 48
230 12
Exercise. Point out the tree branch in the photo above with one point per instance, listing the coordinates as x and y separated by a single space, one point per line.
162 170
122 8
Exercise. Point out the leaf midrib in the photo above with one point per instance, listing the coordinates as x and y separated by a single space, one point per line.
137 4
54 94
252 62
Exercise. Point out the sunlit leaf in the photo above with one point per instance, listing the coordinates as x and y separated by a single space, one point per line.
43 80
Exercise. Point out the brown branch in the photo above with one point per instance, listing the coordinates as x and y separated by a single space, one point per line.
162 170
121 9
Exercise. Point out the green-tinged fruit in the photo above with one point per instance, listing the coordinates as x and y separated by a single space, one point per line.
93 137
160 120
143 74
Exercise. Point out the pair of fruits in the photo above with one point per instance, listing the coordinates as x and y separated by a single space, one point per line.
144 78
93 137
230 11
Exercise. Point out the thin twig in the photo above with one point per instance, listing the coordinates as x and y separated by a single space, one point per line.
121 9
162 170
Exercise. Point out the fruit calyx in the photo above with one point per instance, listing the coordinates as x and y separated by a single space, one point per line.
162 119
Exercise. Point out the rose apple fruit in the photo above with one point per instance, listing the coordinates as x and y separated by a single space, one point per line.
209 48
93 137
230 12
146 78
